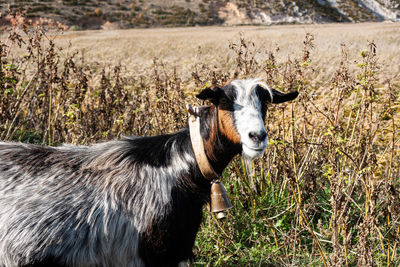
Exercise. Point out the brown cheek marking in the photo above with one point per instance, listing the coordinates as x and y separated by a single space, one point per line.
227 126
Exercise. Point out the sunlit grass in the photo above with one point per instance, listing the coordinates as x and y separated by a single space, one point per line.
326 192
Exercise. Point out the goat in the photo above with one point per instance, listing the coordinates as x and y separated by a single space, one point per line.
131 202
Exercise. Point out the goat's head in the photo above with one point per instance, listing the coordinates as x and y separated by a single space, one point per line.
242 106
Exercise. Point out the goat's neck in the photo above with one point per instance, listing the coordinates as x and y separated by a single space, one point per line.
219 149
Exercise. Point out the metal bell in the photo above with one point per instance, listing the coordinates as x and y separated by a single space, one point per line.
219 199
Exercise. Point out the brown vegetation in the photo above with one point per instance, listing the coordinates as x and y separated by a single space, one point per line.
92 14
327 190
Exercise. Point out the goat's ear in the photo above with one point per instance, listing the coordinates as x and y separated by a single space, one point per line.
279 97
209 94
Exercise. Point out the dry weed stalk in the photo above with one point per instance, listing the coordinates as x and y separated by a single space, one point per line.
327 190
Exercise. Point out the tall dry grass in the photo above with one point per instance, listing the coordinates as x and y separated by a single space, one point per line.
327 191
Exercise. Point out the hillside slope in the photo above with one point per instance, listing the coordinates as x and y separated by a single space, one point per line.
95 14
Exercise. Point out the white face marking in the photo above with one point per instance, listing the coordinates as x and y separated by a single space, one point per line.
248 118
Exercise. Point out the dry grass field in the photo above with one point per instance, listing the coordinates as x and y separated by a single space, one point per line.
327 191
185 47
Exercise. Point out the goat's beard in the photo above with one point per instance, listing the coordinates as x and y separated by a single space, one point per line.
248 164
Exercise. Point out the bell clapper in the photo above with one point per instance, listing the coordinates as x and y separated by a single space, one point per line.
221 215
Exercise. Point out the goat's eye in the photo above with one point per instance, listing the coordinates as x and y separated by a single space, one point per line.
223 101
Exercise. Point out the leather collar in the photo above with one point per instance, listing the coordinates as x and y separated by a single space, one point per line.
198 145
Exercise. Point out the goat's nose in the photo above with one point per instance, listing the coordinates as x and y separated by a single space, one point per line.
258 136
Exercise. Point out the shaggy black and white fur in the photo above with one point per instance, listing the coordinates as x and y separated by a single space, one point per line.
132 202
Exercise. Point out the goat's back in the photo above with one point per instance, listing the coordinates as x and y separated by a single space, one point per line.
52 199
